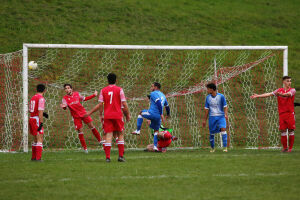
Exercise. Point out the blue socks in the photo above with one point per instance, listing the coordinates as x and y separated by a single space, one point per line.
212 140
139 122
155 140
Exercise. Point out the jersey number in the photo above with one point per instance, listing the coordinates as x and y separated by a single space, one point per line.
32 105
111 96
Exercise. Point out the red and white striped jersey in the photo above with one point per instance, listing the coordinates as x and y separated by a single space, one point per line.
73 102
112 97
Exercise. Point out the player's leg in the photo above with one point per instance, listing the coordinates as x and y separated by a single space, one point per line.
78 127
139 123
33 131
291 127
155 125
103 141
222 125
283 126
92 127
107 147
291 139
212 125
121 146
39 145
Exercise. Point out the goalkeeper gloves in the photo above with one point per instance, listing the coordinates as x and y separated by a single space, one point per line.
45 115
40 127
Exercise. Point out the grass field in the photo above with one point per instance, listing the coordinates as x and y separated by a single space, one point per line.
181 174
188 174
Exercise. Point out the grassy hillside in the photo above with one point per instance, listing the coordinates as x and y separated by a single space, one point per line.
168 22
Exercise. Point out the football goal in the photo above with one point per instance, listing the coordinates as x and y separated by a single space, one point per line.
183 72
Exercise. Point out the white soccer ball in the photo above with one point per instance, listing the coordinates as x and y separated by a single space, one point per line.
32 65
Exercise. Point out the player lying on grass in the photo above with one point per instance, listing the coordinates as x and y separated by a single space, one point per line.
72 101
165 138
216 109
36 109
285 98
154 113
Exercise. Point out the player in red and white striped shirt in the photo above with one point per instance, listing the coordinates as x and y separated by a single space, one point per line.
112 98
72 101
285 98
36 109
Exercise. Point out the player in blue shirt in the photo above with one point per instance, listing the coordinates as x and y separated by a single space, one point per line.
216 109
154 113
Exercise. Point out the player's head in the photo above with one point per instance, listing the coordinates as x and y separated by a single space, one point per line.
211 87
111 78
155 86
40 88
287 81
68 88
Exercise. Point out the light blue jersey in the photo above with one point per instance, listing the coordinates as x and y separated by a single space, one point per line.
157 102
215 105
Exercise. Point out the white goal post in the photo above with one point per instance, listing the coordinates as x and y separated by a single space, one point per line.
27 46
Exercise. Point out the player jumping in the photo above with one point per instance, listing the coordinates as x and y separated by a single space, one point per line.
72 101
154 113
216 109
36 109
113 99
285 98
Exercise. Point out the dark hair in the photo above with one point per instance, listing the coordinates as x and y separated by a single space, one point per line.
286 77
212 86
67 84
40 88
156 84
112 78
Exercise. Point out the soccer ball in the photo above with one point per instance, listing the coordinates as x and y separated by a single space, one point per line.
32 65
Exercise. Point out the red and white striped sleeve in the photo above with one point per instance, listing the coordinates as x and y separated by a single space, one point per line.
100 99
274 92
41 105
122 95
292 91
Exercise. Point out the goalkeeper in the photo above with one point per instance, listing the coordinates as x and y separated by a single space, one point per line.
165 138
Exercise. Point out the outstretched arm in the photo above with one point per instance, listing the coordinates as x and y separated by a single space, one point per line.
94 109
92 96
254 96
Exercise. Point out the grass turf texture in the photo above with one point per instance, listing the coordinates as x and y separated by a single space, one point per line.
188 174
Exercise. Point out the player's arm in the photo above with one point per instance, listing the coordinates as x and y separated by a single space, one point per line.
64 104
167 108
206 111
254 96
205 117
226 112
41 108
97 107
125 110
90 97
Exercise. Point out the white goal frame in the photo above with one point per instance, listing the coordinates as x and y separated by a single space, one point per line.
83 46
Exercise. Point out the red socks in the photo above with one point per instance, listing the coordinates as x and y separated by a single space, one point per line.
284 140
39 150
291 140
121 148
33 146
96 134
107 150
82 141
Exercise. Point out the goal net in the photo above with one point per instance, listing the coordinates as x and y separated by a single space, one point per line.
183 72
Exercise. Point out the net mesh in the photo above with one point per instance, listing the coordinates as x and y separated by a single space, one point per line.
183 75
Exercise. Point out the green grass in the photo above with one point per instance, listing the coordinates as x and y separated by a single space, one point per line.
167 22
188 174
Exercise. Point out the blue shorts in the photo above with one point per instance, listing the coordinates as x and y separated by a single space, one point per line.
215 123
154 118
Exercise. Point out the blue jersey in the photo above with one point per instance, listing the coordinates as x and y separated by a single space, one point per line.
215 104
157 102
